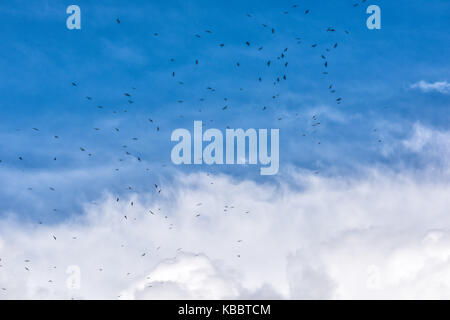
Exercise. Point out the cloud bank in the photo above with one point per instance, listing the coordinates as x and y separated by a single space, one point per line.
378 234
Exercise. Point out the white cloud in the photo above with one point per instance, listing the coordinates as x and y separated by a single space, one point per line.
334 238
187 276
439 86
377 235
433 146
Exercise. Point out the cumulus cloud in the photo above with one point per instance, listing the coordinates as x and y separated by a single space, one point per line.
377 234
439 86
383 235
188 276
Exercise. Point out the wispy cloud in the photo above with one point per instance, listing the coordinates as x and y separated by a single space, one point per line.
440 86
432 146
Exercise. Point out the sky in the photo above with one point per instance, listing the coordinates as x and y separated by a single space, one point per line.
83 164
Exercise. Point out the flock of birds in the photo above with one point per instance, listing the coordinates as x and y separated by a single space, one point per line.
129 96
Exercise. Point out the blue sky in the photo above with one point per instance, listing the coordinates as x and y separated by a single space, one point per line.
358 209
371 70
